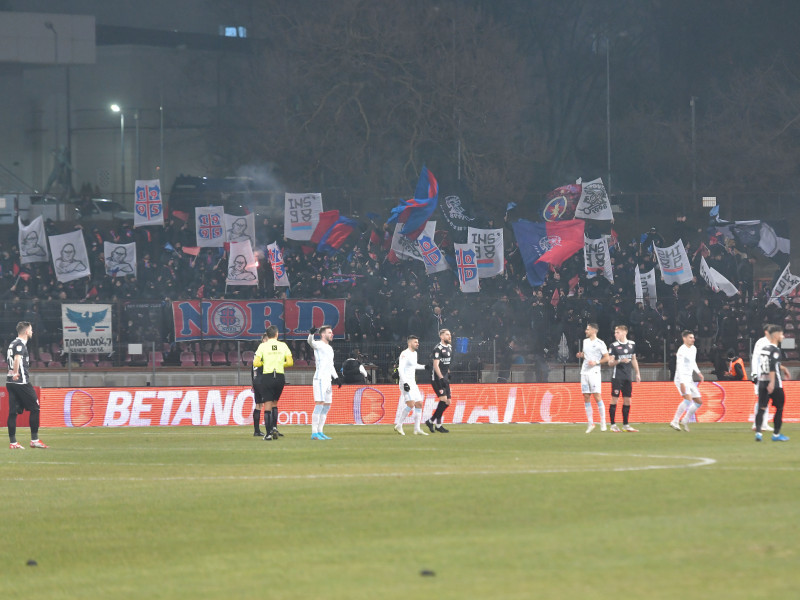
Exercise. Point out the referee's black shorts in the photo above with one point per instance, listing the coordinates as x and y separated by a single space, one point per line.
272 386
21 396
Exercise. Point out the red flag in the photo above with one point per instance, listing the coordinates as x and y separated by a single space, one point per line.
565 239
556 297
573 283
193 250
183 216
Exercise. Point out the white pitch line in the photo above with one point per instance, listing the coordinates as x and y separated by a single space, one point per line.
699 461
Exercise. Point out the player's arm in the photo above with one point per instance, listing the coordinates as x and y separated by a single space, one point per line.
288 359
697 370
311 341
436 369
635 363
771 384
605 359
786 373
258 357
362 370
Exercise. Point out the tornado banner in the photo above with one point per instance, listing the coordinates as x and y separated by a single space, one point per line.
87 328
726 402
249 319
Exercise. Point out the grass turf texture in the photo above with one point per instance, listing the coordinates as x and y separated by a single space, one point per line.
497 511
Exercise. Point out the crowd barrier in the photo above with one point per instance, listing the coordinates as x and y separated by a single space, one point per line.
653 402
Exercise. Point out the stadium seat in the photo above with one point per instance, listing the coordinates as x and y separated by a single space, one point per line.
247 357
104 364
218 358
156 358
90 360
233 358
187 362
204 359
187 357
300 363
45 357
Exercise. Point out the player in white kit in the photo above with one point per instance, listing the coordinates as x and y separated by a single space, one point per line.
685 367
410 394
324 376
594 353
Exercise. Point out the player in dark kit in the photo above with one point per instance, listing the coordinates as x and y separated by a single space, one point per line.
21 395
623 359
440 374
770 384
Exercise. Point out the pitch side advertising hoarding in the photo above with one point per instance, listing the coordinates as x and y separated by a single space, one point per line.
724 402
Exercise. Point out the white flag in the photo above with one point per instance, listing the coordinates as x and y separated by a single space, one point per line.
87 328
645 285
674 263
594 203
69 256
488 245
209 224
467 268
148 208
32 242
407 249
784 286
242 267
716 280
301 215
241 229
278 268
597 258
431 254
120 259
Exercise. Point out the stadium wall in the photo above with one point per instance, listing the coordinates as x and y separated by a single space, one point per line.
653 402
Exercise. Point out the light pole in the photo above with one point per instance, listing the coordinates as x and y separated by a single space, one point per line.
608 114
49 25
116 108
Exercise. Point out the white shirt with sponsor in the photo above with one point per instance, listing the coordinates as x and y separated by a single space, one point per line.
323 356
408 366
686 364
593 350
760 344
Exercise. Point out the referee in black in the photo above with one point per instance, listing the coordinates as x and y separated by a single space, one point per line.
273 356
21 395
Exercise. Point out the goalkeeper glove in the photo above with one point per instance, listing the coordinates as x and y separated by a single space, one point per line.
337 381
312 331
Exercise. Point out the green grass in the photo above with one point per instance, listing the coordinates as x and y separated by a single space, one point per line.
497 511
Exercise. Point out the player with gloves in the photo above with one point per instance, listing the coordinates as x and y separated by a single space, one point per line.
440 380
409 391
324 377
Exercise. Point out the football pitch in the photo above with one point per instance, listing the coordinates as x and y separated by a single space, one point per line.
491 511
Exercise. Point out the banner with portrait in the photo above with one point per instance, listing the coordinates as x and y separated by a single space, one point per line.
241 228
120 259
242 267
70 260
32 242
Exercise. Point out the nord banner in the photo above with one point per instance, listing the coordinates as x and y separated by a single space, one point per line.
249 319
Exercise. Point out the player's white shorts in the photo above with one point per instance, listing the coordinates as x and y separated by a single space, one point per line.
412 395
323 391
590 382
689 386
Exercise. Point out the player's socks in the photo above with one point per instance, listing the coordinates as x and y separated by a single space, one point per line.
588 407
436 417
268 425
417 418
315 418
612 413
682 407
692 409
256 419
404 414
323 416
601 408
34 423
274 417
626 411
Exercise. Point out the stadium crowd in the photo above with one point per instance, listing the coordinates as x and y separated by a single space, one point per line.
388 299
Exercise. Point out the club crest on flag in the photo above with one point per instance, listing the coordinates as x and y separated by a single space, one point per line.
467 265
549 242
430 251
276 259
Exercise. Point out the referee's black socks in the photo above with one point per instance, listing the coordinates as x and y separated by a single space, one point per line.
256 419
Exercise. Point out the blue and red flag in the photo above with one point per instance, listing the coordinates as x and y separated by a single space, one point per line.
333 239
414 213
543 244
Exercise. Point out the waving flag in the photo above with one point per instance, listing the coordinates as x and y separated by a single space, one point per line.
783 287
120 259
301 215
716 280
543 243
560 204
242 266
645 286
431 254
414 213
594 203
488 244
597 259
278 267
335 236
674 263
148 208
467 268
70 259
